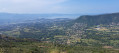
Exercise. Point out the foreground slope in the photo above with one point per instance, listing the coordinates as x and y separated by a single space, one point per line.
14 45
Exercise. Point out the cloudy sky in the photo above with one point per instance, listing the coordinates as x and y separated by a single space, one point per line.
59 6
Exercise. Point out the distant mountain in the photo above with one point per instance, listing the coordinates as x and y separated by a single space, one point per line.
6 18
99 19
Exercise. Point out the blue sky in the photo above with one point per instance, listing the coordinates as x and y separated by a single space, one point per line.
59 6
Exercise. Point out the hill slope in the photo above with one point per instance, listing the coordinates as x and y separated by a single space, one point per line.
99 19
8 45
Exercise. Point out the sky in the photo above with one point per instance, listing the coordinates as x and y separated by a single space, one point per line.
59 6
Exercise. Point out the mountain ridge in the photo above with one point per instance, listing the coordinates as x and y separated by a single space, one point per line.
98 19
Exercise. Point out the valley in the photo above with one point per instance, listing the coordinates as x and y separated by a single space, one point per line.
86 34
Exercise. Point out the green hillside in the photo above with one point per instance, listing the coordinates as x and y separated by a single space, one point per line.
14 45
99 19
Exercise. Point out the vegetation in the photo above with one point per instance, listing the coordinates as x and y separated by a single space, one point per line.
13 45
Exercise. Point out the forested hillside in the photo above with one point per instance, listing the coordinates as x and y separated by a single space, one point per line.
99 19
15 45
